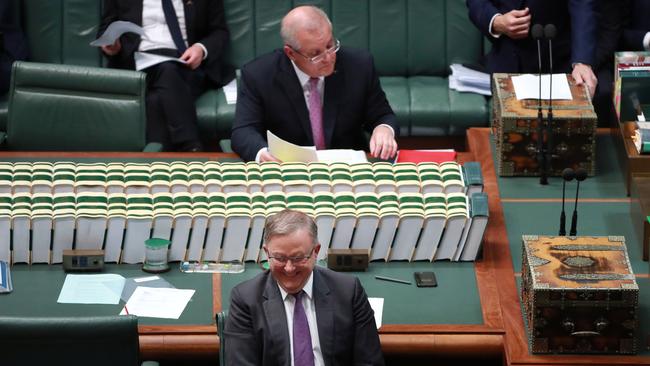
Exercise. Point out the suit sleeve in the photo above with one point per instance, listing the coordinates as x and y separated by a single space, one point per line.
242 349
481 13
611 19
378 110
367 348
248 131
583 31
216 39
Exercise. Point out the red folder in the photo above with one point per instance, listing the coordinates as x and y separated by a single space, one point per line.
420 156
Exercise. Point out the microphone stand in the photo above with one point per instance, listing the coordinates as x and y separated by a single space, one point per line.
537 33
549 33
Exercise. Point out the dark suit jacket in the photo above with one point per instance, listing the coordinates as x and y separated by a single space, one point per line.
639 25
574 42
270 97
13 45
256 330
205 23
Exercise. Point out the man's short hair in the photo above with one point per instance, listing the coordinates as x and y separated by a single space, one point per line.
288 30
287 222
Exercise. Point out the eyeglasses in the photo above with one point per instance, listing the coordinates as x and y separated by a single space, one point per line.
320 57
299 259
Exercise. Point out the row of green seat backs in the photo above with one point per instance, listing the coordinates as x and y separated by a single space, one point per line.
406 37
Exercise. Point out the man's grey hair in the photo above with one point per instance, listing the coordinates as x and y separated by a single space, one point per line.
310 24
287 222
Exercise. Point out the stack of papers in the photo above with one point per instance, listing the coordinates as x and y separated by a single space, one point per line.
464 79
527 86
288 152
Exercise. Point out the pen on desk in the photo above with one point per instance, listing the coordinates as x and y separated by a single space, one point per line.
390 279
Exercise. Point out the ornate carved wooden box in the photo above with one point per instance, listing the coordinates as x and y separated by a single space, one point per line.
571 143
579 295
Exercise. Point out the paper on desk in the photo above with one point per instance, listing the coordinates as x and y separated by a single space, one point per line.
341 155
288 152
91 289
144 60
527 87
167 303
115 30
377 305
230 90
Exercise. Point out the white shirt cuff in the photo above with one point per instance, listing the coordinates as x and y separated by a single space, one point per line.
391 128
495 35
257 157
646 41
205 50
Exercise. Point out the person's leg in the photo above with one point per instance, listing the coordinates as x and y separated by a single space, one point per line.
603 104
169 82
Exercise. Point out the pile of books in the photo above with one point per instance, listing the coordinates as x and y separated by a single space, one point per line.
216 212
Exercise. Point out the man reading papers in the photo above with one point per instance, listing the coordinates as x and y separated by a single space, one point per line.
312 93
297 313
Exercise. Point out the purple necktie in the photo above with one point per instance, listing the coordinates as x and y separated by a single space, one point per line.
303 353
316 114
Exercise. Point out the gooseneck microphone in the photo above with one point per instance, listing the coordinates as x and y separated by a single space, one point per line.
567 175
581 175
537 32
549 34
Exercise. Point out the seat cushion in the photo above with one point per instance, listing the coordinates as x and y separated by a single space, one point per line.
397 93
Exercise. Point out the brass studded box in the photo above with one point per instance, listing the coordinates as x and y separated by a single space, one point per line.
579 295
572 142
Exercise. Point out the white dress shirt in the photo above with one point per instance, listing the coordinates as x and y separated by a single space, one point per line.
156 31
310 311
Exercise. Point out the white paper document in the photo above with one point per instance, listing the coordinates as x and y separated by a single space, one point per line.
288 152
91 289
527 87
114 31
464 79
144 60
230 91
377 305
167 303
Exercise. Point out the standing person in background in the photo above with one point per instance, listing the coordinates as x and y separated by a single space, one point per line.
13 45
507 23
296 313
193 30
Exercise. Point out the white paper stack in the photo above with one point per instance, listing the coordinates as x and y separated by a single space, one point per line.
384 177
160 180
363 179
5 227
196 180
114 178
430 178
212 176
258 217
91 216
452 177
271 177
367 207
233 178
406 178
90 178
114 227
216 224
325 218
238 220
42 176
345 220
319 177
63 222
183 213
295 177
6 177
341 177
139 215
199 226
41 223
179 177
389 218
253 177
20 223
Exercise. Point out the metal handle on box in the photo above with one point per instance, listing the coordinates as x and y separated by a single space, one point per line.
585 333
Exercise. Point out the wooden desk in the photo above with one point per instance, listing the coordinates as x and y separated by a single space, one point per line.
500 257
180 341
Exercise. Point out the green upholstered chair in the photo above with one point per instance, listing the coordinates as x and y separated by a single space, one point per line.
221 325
56 107
72 341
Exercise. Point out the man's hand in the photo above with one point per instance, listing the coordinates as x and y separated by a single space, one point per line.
113 49
514 24
193 56
266 156
382 143
583 74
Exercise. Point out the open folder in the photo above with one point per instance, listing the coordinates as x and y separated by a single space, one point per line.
288 152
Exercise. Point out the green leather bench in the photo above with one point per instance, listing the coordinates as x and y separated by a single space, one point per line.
413 42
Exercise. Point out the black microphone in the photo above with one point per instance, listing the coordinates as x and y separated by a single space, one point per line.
537 32
567 174
549 34
581 175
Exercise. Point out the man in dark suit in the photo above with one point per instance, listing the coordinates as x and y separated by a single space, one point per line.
636 33
312 93
13 45
296 311
193 30
506 23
